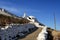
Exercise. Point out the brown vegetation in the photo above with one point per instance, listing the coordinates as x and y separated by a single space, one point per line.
53 34
56 35
8 20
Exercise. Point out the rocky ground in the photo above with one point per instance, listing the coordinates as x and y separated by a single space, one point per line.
52 35
32 36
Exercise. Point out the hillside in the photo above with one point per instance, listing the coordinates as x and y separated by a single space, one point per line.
8 20
52 35
23 28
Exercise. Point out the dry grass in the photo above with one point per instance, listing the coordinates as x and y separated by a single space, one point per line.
56 35
8 20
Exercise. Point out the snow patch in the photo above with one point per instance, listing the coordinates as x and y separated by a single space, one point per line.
43 34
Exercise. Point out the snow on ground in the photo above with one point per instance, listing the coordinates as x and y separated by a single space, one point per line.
43 34
34 21
10 32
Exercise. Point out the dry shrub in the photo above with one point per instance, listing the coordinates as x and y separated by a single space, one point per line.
56 35
8 20
53 34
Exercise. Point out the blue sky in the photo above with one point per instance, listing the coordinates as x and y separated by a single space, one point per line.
42 9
